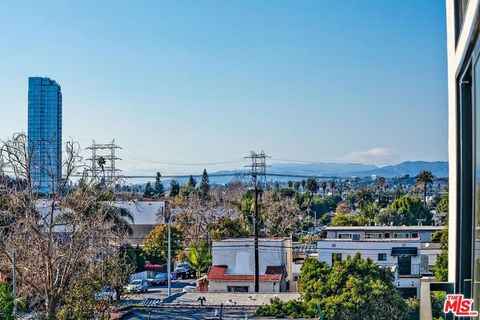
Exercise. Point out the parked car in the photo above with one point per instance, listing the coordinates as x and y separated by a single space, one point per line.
137 285
184 271
160 279
189 289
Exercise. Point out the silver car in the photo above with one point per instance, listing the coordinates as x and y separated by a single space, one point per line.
137 285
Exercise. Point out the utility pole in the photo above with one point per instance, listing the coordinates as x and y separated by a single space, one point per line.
14 283
258 166
315 221
169 259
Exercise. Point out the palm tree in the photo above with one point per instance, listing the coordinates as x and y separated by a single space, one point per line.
121 219
199 257
380 185
364 196
324 187
423 179
332 186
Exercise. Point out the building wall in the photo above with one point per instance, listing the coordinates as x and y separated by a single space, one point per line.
367 249
424 235
238 255
45 133
371 249
457 52
265 287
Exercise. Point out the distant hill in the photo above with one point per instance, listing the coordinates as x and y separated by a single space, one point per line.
324 169
412 168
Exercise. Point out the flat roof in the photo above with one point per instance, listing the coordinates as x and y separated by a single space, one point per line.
379 228
251 239
372 240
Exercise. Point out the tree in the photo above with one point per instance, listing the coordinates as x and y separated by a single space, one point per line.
406 210
351 289
423 179
192 182
204 184
441 264
281 216
342 220
174 188
155 244
324 188
312 185
442 203
296 186
7 303
158 187
290 184
332 186
199 257
58 243
148 191
228 227
364 196
101 162
303 183
381 182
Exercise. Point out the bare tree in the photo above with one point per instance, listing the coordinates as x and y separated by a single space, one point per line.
58 239
281 214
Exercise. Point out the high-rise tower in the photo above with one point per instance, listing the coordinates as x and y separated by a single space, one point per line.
45 133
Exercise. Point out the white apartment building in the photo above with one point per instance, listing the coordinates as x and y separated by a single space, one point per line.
406 250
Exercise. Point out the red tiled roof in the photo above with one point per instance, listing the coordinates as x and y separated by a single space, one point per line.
217 273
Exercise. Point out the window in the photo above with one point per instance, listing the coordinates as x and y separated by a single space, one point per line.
382 257
237 288
387 235
401 235
460 10
344 236
336 257
356 237
415 235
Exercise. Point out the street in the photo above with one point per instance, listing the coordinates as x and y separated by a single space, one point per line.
157 292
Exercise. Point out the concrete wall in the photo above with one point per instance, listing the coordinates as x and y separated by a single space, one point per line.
265 287
238 255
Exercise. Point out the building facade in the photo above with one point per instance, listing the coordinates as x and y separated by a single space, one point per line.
406 250
45 134
463 49
233 265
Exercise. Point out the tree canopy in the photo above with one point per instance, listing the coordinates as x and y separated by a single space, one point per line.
155 244
352 289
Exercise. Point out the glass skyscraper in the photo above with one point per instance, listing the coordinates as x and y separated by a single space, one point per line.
45 133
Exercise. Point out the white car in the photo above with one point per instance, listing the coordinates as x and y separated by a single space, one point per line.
137 285
189 289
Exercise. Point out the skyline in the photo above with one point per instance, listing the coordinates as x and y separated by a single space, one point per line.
206 83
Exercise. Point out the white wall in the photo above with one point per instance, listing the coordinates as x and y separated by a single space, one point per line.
456 52
265 287
367 249
238 255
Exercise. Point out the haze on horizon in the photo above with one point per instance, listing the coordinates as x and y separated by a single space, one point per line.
187 85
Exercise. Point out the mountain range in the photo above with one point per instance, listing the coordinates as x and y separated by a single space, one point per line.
326 169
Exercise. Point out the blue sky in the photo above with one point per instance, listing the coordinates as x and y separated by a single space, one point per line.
207 81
